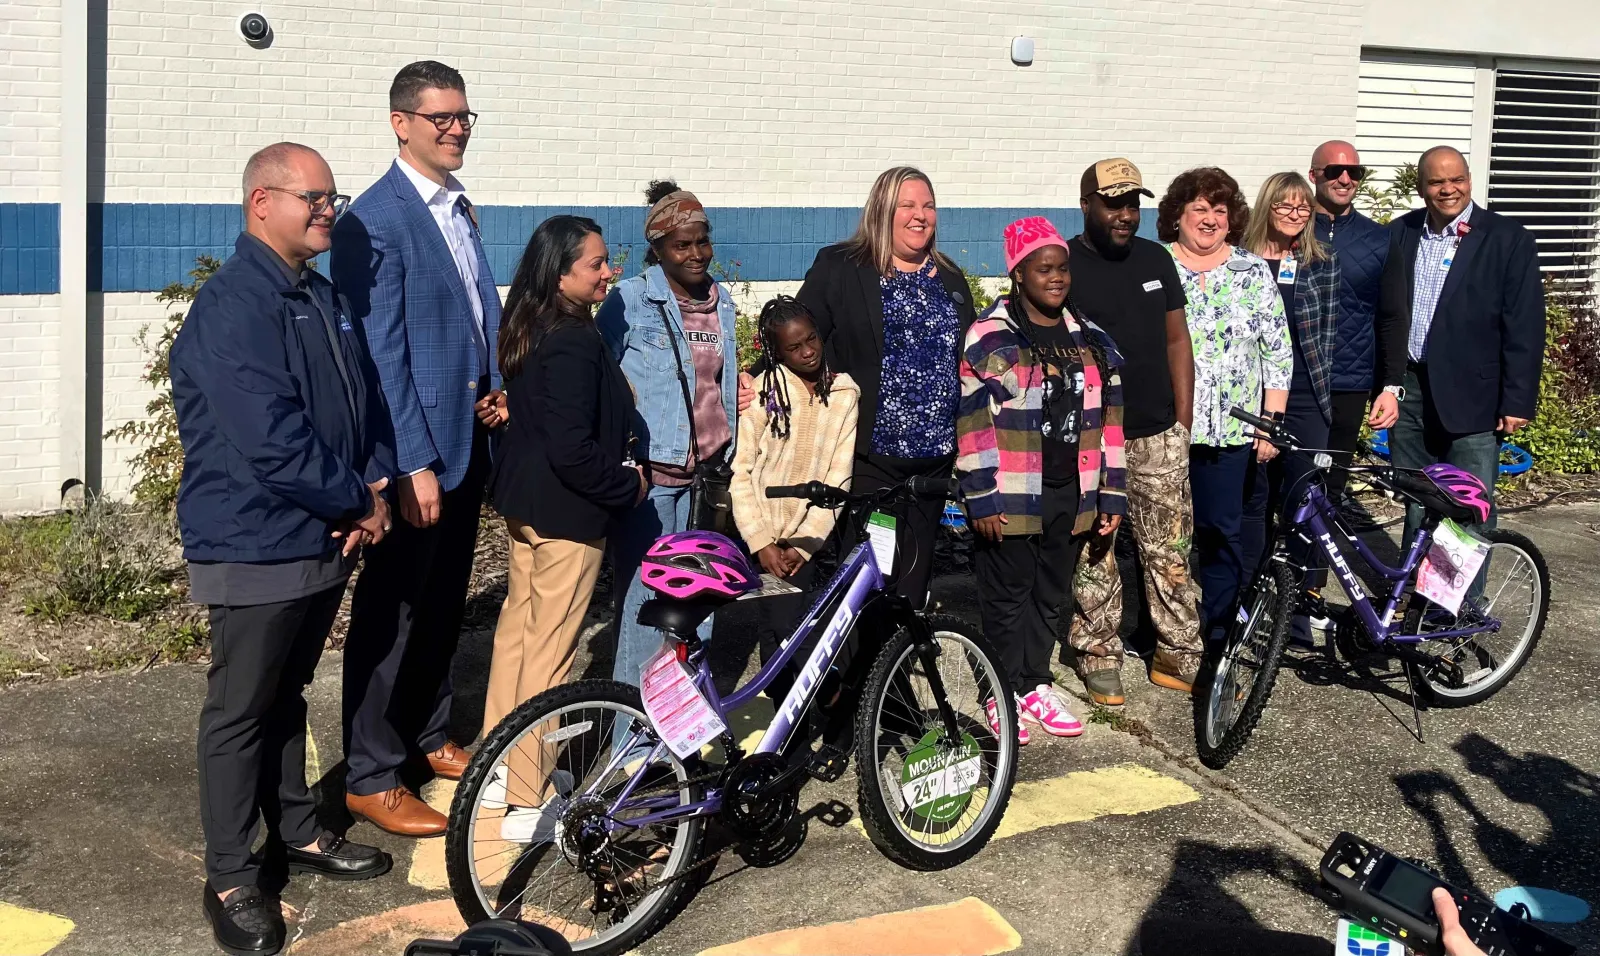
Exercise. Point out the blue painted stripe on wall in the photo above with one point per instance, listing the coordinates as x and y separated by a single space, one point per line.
143 247
30 244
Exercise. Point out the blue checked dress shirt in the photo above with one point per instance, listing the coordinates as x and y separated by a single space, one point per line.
1427 279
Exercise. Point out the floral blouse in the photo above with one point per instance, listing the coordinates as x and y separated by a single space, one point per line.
920 385
1241 343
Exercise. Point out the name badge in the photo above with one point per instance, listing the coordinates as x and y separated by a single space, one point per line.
1154 285
1287 270
1444 264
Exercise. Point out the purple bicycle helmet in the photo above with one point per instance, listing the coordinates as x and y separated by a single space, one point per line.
1461 487
694 564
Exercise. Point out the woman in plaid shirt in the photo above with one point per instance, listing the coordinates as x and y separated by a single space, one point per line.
1040 460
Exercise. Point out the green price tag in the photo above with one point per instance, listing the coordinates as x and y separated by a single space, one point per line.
937 782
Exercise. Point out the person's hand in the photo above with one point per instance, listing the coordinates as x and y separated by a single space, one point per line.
644 485
772 562
991 527
747 390
1455 939
1110 523
1265 450
420 499
1508 424
372 528
793 561
492 410
1385 411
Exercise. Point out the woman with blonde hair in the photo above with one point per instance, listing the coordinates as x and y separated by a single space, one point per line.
892 312
1307 271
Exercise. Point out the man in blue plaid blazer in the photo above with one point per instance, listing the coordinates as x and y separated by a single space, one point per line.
409 256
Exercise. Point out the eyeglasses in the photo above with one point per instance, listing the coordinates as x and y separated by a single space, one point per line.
1336 170
443 121
320 202
1289 211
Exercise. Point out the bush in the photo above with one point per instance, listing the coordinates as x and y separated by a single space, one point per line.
159 463
1564 437
1392 200
113 562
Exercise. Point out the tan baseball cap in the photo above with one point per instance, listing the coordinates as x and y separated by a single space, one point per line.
1113 177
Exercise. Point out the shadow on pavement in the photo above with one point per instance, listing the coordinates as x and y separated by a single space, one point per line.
1566 859
1196 914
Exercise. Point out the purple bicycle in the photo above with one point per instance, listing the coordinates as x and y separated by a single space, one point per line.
582 813
1454 658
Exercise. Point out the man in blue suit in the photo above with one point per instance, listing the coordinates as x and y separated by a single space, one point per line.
410 257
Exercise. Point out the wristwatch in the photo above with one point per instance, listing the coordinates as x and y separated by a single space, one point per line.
1398 391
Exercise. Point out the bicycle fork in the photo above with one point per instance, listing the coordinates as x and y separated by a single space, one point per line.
928 653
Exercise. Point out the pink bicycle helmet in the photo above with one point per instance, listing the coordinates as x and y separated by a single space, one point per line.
697 564
1461 487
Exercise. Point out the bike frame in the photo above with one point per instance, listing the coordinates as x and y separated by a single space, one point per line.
858 583
1319 519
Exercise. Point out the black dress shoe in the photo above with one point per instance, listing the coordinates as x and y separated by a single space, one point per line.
339 859
248 924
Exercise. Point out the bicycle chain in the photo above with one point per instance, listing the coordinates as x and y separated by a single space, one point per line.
679 786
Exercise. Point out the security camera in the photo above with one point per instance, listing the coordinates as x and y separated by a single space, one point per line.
255 29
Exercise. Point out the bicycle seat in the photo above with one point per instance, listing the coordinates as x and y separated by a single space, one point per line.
678 617
1446 490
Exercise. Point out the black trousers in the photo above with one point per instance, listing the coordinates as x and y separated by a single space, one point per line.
1289 473
1024 581
917 527
252 740
1344 434
405 621
780 615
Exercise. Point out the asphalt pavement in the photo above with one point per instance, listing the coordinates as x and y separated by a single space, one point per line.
1116 843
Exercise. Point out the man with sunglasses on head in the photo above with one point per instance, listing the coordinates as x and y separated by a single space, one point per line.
410 257
286 451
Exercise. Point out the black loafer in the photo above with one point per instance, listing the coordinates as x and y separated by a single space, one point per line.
249 924
339 859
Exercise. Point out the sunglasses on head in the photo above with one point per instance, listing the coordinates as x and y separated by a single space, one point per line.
1336 170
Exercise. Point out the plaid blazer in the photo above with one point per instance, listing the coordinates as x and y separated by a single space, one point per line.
1316 324
391 261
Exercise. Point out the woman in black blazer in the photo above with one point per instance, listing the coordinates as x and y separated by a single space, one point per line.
892 311
561 474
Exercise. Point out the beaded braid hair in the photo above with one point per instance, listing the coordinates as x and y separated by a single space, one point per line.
778 312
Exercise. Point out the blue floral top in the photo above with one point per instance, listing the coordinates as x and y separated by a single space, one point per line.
921 386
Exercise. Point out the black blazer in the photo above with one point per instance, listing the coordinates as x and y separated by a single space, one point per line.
560 465
845 299
1486 342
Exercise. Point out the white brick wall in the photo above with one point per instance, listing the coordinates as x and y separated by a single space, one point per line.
756 102
29 424
30 100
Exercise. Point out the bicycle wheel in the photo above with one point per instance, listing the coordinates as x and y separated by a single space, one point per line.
1516 592
928 802
1236 679
571 863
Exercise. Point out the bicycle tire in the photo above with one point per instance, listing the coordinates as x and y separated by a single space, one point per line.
1276 614
534 711
1413 624
877 815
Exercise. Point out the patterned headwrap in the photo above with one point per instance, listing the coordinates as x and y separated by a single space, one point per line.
672 211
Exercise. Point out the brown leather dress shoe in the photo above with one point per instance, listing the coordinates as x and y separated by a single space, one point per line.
449 761
398 811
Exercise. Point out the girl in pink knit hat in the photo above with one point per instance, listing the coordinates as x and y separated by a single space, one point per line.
1040 460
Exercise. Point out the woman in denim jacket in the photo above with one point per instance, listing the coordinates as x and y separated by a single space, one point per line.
672 321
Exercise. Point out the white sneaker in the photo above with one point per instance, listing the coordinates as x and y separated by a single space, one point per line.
494 792
533 824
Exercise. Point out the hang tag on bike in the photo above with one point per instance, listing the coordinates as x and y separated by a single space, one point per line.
880 532
937 780
1452 563
771 585
678 711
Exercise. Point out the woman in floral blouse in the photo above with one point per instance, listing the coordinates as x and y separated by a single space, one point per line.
1244 357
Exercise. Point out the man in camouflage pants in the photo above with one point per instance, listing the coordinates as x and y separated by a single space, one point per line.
1129 287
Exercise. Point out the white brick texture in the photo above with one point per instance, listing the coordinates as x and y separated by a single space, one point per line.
29 424
30 101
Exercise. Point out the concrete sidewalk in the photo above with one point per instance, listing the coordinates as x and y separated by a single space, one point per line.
1122 846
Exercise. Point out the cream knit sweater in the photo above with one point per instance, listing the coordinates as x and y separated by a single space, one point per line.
820 447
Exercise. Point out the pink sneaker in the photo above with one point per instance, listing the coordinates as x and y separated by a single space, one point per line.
994 721
1043 706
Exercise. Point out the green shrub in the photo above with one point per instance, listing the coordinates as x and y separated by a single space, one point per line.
159 463
112 562
1392 200
1564 437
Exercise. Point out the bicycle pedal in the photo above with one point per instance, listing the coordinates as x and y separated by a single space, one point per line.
828 764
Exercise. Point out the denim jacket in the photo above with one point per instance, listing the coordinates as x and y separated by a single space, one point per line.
634 321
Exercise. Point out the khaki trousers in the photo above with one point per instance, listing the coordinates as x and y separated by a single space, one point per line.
547 593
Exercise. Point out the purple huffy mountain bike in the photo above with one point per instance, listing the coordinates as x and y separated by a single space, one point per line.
579 813
1451 658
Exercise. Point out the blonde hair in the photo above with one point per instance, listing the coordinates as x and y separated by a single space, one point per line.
1279 187
873 243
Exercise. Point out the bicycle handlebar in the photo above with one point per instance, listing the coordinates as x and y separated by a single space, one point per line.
827 496
1267 427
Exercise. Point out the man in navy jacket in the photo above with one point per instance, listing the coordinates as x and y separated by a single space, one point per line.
1466 281
286 448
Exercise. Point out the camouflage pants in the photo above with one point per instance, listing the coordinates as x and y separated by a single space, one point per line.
1161 520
